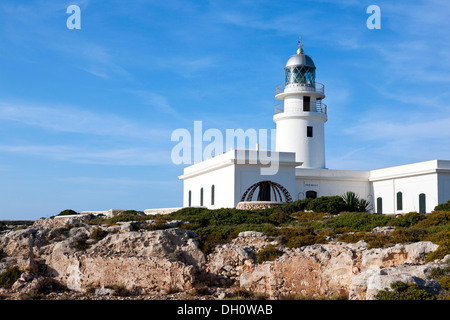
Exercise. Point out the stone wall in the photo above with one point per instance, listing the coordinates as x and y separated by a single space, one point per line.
252 205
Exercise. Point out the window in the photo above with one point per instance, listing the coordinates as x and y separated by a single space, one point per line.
379 205
306 103
399 201
309 131
212 194
201 197
304 75
190 198
422 203
311 194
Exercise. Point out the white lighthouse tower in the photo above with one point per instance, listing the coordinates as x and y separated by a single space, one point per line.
300 118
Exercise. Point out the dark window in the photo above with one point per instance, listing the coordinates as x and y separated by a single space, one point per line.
379 205
422 203
201 197
311 194
212 194
309 131
190 198
399 201
306 104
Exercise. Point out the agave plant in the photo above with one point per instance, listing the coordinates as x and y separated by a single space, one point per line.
363 205
352 201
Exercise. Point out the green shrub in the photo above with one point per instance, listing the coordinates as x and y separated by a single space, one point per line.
441 252
403 291
269 253
279 217
409 219
443 206
373 240
67 212
440 272
405 235
9 276
158 224
81 244
358 221
331 204
296 237
298 205
308 216
434 219
98 234
445 282
32 295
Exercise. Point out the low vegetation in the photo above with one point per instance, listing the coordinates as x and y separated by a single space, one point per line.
269 253
306 222
297 224
404 291
67 212
9 276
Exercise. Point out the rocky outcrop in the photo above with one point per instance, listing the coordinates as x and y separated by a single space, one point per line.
52 252
337 268
80 272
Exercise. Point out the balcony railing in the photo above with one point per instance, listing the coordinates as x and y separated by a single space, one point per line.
301 87
319 107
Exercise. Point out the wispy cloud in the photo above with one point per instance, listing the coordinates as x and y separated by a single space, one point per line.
89 155
156 101
76 120
122 181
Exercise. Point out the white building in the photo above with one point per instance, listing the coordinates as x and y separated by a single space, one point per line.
237 176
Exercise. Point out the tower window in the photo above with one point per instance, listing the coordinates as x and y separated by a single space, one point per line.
212 194
201 197
306 103
190 198
399 201
309 131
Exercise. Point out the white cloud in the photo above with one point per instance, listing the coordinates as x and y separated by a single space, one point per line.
69 119
89 155
157 101
127 182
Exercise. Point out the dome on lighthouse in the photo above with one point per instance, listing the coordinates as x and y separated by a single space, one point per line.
300 59
300 69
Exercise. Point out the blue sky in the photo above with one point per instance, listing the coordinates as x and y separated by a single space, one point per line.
86 115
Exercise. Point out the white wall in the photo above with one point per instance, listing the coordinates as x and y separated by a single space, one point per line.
232 173
410 187
328 182
291 137
444 187
223 181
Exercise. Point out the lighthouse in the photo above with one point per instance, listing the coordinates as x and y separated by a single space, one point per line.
301 116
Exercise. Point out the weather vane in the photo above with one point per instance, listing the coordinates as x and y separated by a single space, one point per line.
300 44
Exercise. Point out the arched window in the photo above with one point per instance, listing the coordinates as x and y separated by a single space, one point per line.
422 203
212 194
399 201
201 197
379 205
190 198
311 194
